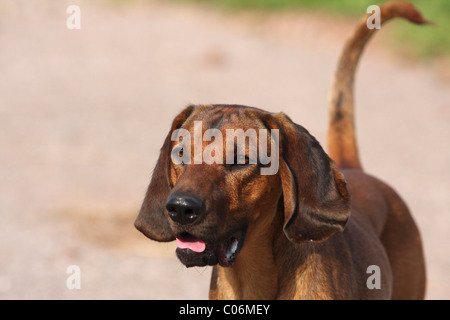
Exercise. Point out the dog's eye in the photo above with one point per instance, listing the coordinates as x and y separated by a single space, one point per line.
243 160
240 161
177 155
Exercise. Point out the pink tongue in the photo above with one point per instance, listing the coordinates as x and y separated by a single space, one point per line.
196 246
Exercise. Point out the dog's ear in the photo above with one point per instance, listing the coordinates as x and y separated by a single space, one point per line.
315 196
152 220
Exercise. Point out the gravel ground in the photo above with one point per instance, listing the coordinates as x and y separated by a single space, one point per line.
83 114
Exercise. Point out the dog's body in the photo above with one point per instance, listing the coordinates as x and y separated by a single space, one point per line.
379 233
282 236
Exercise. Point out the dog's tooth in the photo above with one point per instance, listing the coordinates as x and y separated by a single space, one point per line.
232 248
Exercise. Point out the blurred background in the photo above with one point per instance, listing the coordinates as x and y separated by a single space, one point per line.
83 114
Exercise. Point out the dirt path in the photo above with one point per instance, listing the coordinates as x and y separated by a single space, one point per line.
84 112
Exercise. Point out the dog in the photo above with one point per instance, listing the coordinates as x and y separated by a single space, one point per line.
318 228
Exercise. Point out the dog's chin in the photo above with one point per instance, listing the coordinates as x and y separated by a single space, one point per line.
223 252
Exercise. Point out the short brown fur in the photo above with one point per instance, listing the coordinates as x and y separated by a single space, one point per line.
313 228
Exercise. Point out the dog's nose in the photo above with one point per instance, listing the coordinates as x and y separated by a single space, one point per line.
184 209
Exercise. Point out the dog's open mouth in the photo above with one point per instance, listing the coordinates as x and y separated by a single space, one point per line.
194 252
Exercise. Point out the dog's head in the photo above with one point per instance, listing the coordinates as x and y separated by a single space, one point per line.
211 185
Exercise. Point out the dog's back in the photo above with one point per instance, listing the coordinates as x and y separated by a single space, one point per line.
373 200
376 204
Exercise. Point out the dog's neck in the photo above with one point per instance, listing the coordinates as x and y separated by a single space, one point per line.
255 274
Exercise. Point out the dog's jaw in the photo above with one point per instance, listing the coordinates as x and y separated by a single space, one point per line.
192 251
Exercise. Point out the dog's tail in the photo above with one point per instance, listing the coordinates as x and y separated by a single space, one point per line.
341 135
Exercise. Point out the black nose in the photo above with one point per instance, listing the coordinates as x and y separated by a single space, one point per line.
184 209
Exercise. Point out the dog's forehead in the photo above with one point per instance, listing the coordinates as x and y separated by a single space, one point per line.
225 117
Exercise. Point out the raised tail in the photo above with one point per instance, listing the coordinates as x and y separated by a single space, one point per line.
342 144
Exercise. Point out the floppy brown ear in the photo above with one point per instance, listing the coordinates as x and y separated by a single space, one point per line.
152 220
316 199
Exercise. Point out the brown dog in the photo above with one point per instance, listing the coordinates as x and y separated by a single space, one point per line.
293 234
